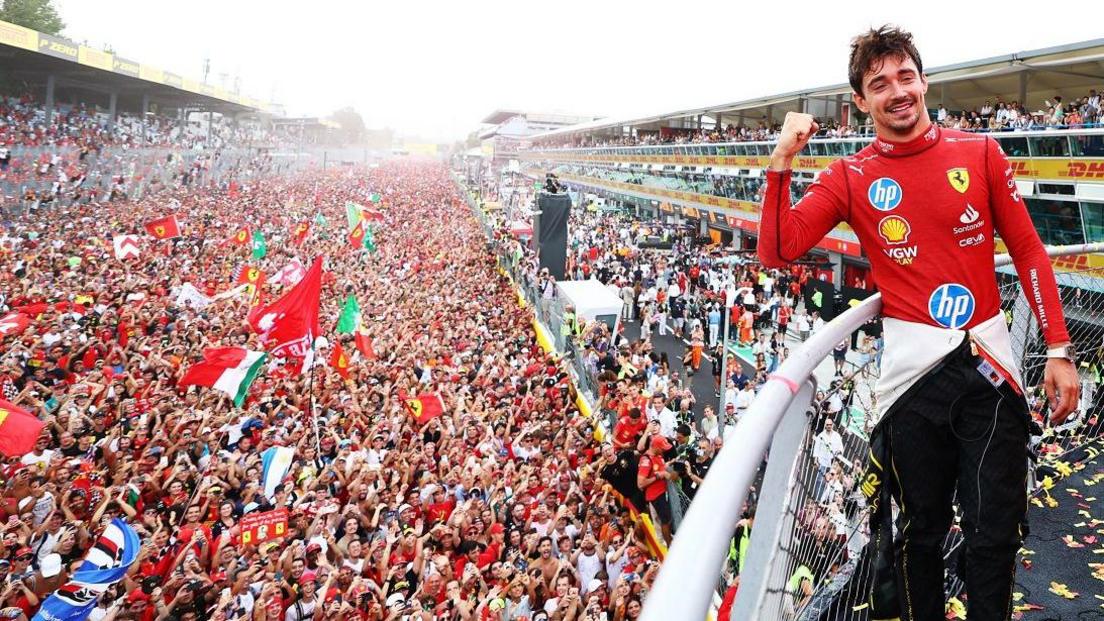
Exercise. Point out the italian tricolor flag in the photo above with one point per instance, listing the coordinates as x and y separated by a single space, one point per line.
229 369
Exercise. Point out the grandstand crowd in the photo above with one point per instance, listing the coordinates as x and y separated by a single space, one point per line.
996 114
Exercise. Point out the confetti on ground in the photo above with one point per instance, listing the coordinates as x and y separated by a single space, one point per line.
1062 559
1062 590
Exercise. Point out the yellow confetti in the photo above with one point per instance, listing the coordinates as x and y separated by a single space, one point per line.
1062 590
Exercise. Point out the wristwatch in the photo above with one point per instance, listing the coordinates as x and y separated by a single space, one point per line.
1066 351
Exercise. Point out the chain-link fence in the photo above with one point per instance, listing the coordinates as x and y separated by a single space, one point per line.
822 570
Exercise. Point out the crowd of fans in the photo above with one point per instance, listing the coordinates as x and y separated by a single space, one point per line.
77 156
501 508
672 282
1080 112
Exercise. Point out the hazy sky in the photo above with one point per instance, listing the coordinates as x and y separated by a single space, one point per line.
435 69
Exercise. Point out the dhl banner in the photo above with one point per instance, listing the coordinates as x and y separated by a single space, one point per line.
1052 169
258 527
745 216
1075 263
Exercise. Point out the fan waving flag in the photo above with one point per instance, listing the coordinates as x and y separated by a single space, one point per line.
369 239
105 565
425 407
289 325
228 369
364 344
350 316
250 276
18 430
275 463
163 228
260 247
339 361
291 273
353 213
241 237
357 235
299 233
13 323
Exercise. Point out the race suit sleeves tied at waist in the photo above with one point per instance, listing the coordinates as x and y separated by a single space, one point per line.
912 349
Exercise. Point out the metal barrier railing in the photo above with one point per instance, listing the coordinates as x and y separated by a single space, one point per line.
687 579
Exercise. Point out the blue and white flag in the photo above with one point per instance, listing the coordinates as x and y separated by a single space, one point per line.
104 565
275 462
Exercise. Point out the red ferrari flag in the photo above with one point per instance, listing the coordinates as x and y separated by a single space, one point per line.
241 237
425 407
251 276
18 430
13 323
289 325
299 233
339 361
163 228
356 236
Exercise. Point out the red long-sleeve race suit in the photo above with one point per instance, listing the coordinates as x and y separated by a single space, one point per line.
925 212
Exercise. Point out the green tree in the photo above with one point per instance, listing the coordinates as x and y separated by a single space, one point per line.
37 14
352 125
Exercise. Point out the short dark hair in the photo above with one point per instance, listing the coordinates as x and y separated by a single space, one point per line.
870 49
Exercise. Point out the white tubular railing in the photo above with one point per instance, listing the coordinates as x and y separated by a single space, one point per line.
685 585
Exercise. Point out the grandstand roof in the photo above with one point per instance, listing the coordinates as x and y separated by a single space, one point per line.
1046 71
33 55
502 115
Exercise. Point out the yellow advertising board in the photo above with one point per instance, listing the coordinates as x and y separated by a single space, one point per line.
1047 169
1076 263
153 74
95 58
18 36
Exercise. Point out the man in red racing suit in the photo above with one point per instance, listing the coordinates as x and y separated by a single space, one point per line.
926 203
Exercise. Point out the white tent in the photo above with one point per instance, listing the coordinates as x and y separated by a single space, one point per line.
592 301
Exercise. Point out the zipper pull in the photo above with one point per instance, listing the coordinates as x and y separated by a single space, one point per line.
973 347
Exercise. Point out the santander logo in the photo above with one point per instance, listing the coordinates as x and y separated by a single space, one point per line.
969 215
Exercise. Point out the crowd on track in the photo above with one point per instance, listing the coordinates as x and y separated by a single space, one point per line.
673 286
492 507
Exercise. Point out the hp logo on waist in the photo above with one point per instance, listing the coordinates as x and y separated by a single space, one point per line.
951 306
885 194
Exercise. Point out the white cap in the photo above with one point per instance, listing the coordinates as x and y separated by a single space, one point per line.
51 565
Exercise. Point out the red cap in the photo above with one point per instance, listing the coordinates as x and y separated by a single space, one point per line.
661 443
24 550
137 596
497 528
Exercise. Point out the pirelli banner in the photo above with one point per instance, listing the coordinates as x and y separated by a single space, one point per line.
58 47
126 67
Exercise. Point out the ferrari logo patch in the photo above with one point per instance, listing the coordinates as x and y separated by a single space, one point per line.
960 179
